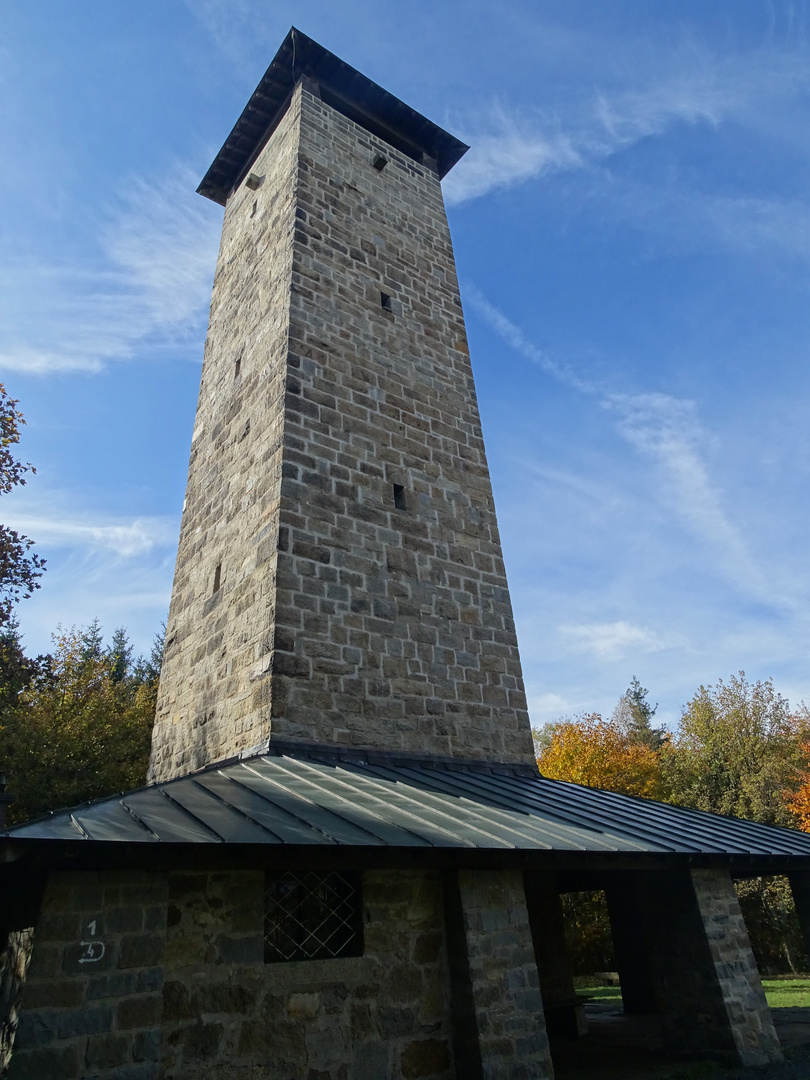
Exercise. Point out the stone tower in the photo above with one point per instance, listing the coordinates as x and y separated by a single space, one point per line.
339 576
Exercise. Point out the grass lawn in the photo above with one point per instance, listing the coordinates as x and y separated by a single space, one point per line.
779 992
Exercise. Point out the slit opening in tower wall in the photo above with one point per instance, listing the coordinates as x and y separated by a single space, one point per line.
386 301
237 367
379 162
399 497
217 578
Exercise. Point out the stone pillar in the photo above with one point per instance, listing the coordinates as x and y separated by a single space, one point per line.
704 975
19 908
498 1027
564 1016
92 1001
632 963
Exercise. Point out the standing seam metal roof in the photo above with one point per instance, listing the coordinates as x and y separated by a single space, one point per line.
313 798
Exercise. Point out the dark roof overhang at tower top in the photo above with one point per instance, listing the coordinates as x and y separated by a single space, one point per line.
342 87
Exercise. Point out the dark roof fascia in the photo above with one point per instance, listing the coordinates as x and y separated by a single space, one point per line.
344 89
21 859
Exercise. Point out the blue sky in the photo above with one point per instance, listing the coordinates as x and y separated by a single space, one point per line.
632 232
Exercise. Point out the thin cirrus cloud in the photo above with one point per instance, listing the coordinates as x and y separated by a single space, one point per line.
612 641
126 539
661 428
151 281
507 150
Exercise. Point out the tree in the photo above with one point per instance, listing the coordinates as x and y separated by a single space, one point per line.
120 654
738 752
19 567
597 753
633 716
81 728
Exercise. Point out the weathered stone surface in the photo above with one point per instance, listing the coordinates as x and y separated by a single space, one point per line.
358 1017
339 576
509 1036
703 974
81 1016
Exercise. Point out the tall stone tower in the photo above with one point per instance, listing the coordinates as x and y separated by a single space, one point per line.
339 577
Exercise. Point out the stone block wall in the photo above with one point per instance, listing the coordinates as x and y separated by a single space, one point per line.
137 975
394 626
92 1000
219 636
702 971
14 960
509 1041
340 576
749 1017
377 1016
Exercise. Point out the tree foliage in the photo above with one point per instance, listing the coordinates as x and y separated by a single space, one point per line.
81 727
633 716
19 566
738 752
597 753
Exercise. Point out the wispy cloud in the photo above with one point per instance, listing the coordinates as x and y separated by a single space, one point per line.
152 275
612 641
517 340
507 149
125 538
663 429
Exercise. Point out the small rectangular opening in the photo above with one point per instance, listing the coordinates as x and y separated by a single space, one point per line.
379 162
217 578
399 497
237 367
386 302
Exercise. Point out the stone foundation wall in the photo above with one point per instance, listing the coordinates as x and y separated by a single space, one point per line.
92 1003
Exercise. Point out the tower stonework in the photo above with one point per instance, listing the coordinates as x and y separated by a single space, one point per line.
339 577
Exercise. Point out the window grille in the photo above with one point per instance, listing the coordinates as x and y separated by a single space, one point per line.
311 916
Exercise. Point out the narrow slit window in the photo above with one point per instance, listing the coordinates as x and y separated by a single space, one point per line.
386 301
379 162
237 367
217 578
399 497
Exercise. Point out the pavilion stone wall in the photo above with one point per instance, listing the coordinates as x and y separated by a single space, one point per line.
229 1016
92 1002
140 976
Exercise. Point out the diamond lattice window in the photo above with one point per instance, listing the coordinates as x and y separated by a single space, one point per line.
310 916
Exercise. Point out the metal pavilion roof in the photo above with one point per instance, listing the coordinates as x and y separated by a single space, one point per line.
342 87
312 797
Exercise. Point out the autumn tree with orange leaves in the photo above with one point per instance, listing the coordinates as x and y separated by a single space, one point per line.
596 753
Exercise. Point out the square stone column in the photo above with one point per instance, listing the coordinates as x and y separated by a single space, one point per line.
704 976
564 1015
498 1027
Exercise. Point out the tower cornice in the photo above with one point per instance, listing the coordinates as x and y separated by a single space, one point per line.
346 90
